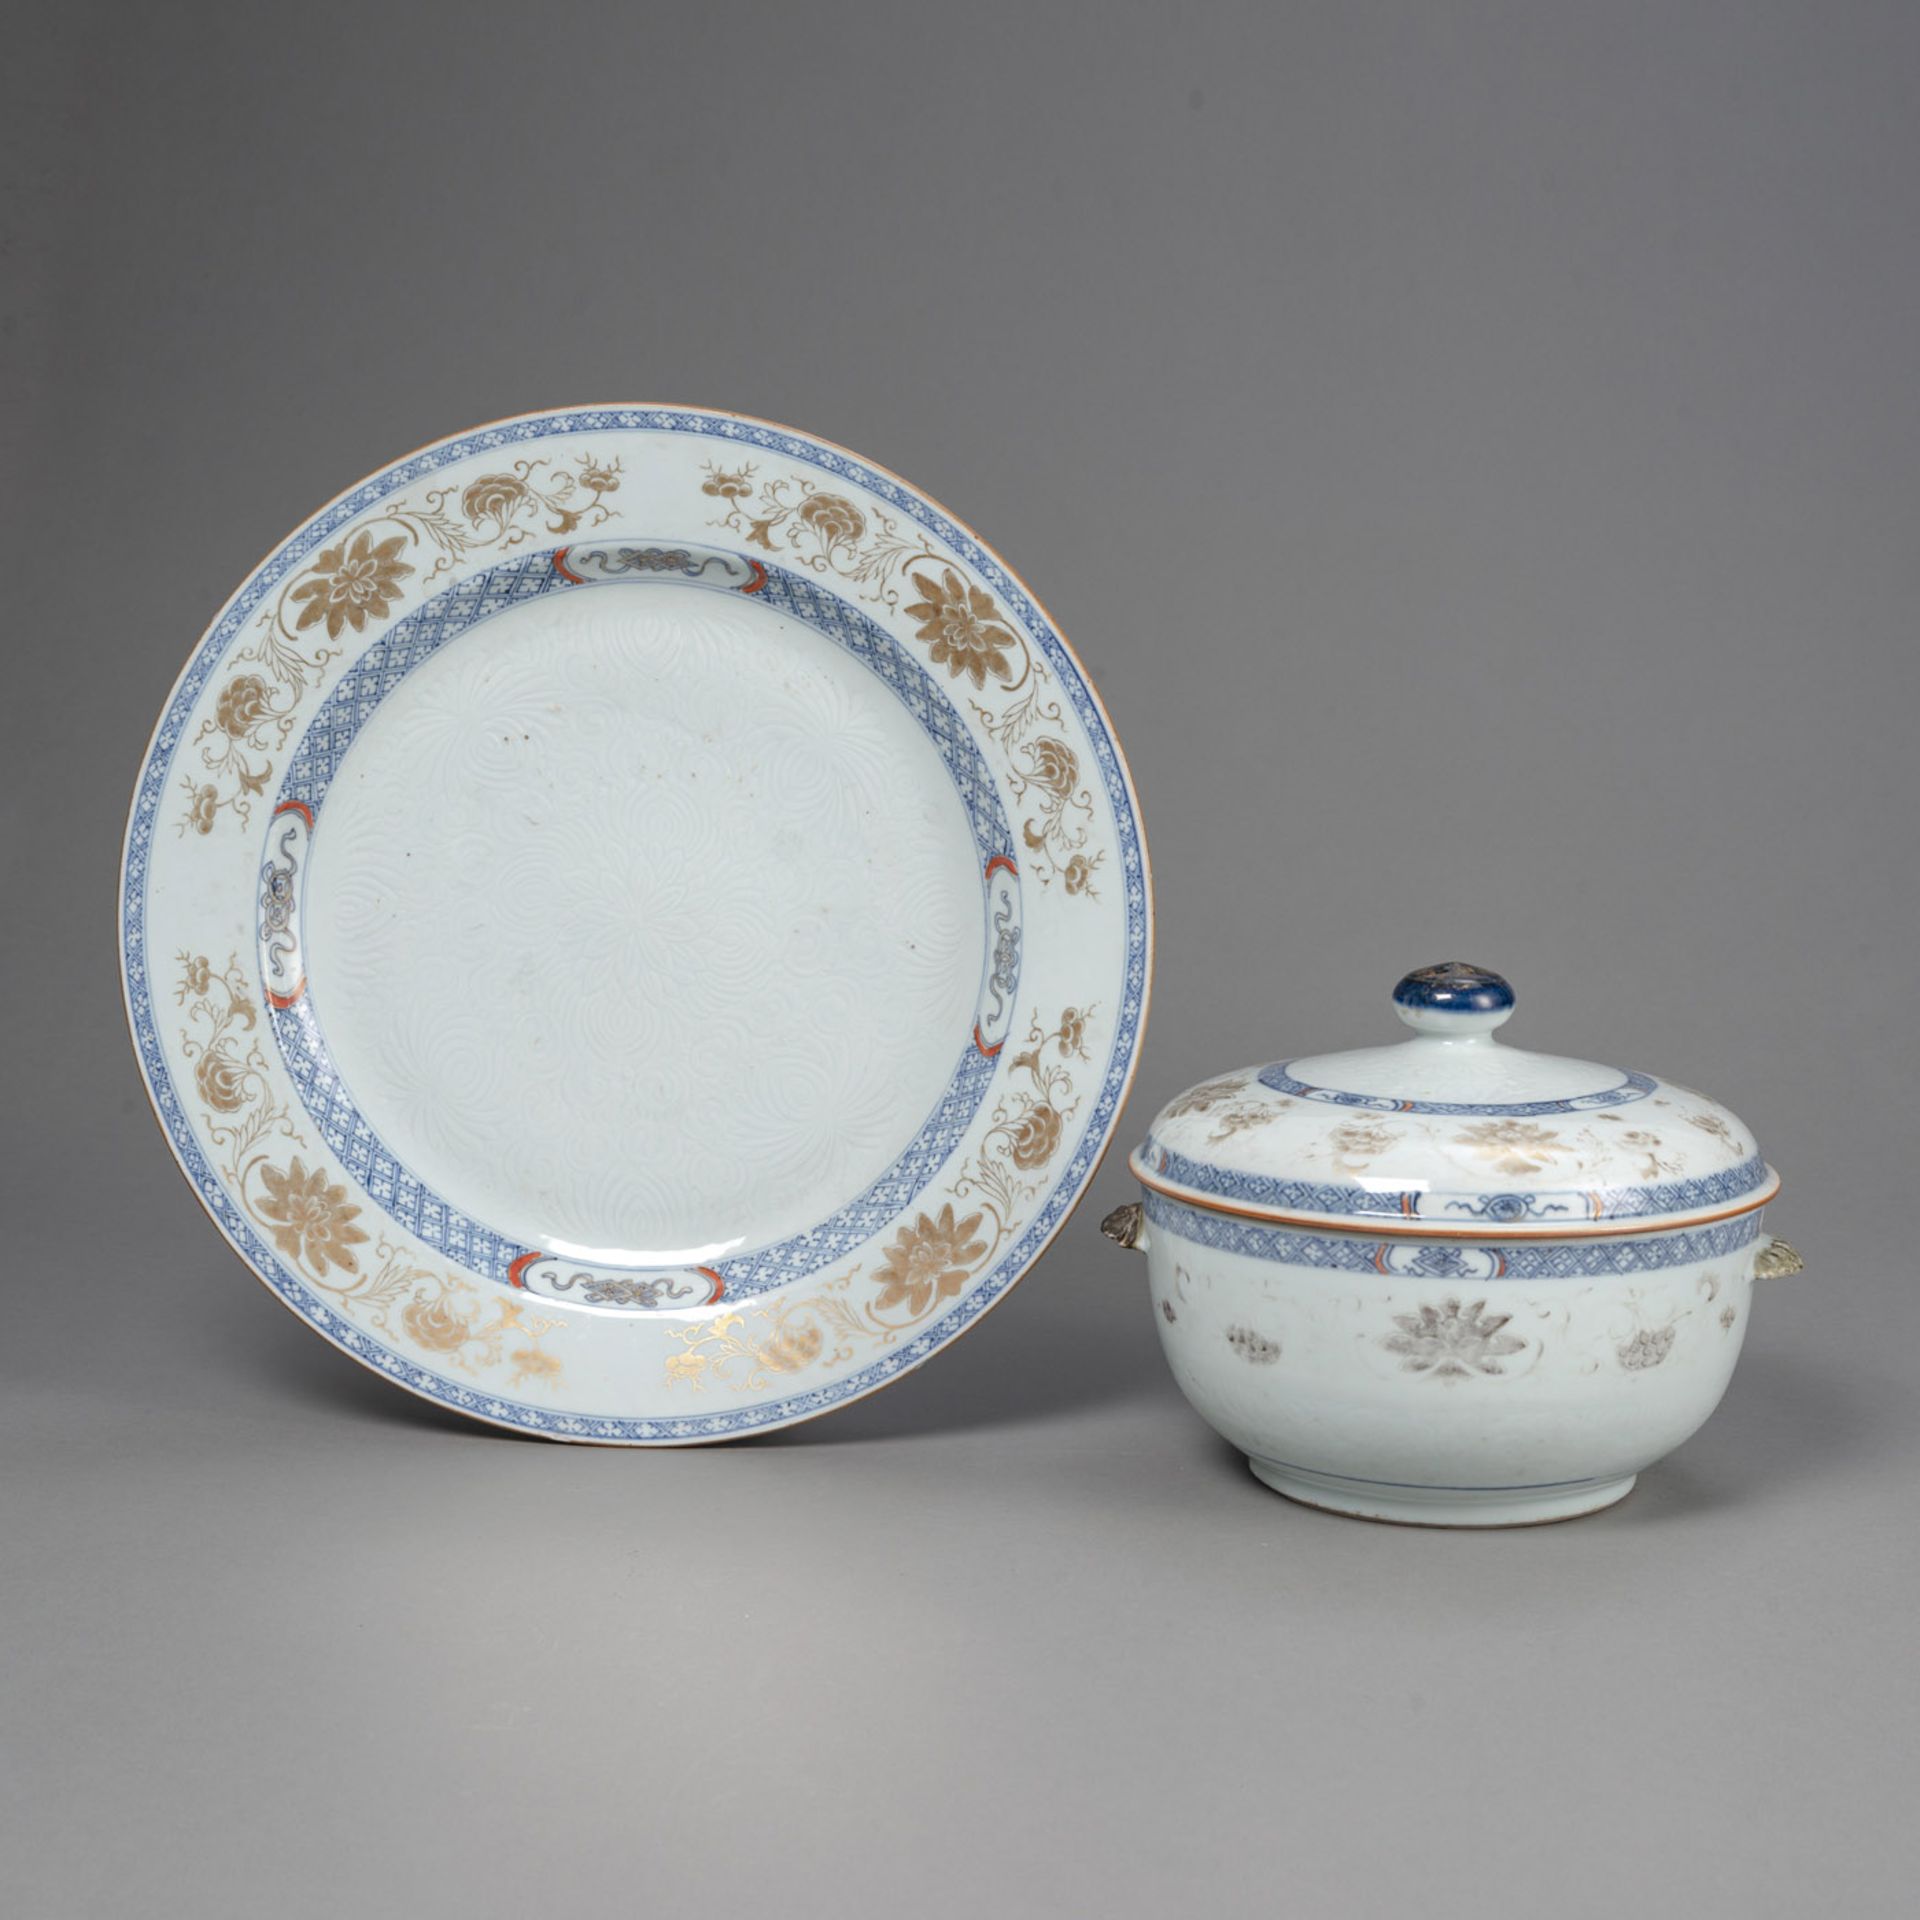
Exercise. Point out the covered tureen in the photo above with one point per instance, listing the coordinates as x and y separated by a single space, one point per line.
1451 1281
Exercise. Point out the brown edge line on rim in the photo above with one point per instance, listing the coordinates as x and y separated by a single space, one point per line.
1362 1228
1127 781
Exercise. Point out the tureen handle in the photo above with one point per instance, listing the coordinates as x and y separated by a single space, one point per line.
1776 1260
1127 1226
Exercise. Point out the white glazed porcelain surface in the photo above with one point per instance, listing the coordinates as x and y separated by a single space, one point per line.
1418 1381
635 925
730 861
1450 1282
1459 1132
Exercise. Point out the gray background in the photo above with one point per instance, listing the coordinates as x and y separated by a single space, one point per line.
1474 449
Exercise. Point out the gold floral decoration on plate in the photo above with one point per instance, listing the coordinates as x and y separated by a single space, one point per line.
361 578
374 562
221 1043
451 1321
964 630
820 529
349 582
929 1261
310 1218
931 1257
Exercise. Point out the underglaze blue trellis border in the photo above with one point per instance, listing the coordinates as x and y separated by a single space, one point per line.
380 672
1632 1087
1599 1203
417 636
1575 1259
750 436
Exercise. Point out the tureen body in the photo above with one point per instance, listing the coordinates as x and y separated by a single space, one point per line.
1450 1281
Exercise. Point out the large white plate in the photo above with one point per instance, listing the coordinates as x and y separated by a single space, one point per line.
635 925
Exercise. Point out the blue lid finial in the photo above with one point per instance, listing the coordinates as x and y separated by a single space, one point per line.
1453 988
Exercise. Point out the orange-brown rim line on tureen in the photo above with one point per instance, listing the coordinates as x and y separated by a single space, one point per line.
1128 780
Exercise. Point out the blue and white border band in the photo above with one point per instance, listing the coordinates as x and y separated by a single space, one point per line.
1576 1259
1632 1087
1566 1204
384 667
417 636
157 774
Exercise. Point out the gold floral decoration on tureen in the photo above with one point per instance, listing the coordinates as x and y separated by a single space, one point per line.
1514 1146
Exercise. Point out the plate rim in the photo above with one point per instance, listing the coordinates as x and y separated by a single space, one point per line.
396 1375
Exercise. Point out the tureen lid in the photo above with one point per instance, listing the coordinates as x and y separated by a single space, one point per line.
1454 1133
